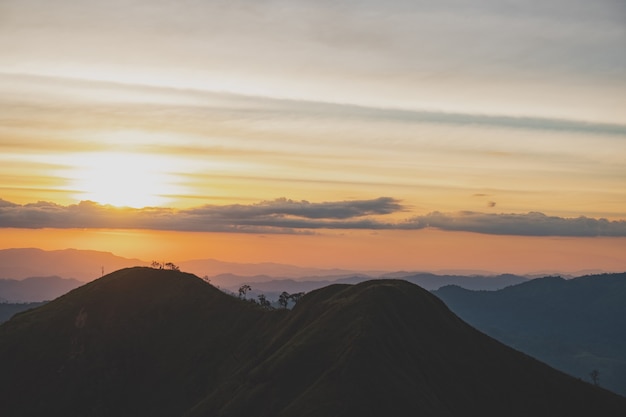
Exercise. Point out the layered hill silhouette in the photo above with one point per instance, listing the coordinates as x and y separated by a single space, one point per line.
152 342
35 289
575 325
8 310
83 265
273 287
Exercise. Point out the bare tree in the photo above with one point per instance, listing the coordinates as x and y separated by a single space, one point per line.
283 299
296 297
264 302
595 377
171 266
243 290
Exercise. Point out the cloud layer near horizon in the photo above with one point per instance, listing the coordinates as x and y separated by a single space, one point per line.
297 217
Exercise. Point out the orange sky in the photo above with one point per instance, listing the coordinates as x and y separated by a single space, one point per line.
423 250
392 135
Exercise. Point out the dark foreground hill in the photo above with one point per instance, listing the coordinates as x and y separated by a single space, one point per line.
575 325
145 342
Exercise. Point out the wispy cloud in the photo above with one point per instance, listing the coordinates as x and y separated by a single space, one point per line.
417 54
99 102
293 217
244 148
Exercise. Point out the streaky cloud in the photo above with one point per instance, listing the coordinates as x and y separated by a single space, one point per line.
284 216
205 103
528 224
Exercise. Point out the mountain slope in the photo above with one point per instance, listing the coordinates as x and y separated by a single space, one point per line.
574 325
163 343
390 348
136 342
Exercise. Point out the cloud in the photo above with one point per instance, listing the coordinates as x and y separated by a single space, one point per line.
529 224
305 209
212 108
4 203
296 217
387 52
277 216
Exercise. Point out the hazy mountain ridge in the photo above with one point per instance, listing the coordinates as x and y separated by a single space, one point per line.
83 265
268 278
574 325
215 268
8 310
273 287
155 342
35 289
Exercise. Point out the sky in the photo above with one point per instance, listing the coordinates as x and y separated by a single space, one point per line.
424 135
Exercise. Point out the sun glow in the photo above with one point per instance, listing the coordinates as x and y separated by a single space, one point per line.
124 179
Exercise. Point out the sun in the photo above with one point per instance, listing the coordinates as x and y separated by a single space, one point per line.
123 179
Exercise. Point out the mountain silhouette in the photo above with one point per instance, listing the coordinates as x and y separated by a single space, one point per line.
35 289
575 325
273 287
142 341
83 265
8 310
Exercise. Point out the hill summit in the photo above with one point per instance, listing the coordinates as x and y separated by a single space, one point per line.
152 342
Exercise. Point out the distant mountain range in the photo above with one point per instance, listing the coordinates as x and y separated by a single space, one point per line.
142 341
272 287
87 265
21 271
575 325
83 265
35 289
425 280
7 310
213 267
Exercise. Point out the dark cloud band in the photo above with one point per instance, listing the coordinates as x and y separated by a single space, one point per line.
296 217
528 224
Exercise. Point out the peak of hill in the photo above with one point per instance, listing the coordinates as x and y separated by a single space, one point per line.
273 287
142 341
575 325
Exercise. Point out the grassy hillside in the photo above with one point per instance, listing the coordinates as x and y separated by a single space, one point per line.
164 343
